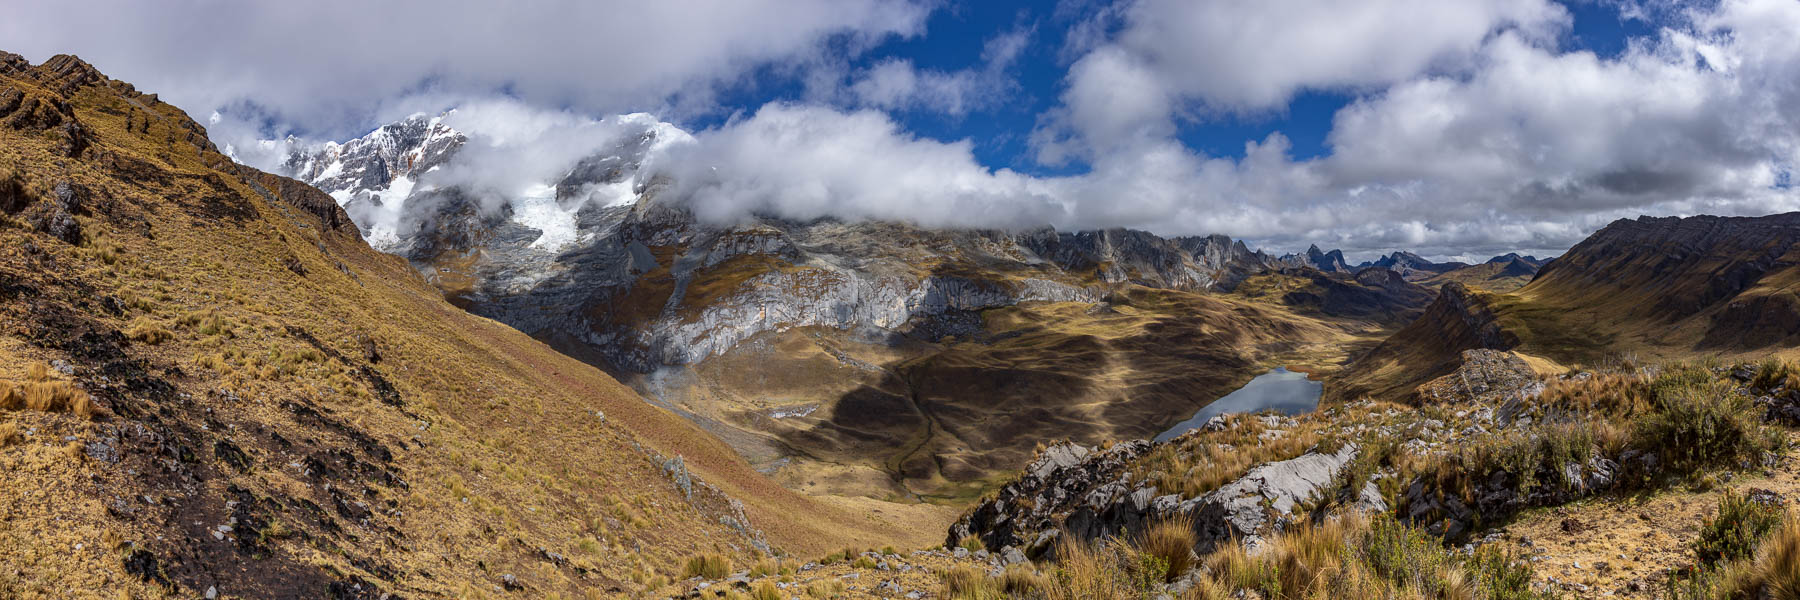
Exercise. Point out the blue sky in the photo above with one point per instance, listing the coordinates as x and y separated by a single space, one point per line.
955 34
1463 128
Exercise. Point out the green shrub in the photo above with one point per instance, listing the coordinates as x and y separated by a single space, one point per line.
1736 531
1774 373
1706 425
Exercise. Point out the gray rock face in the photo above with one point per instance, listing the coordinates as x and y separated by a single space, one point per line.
1265 498
1329 262
1095 497
1499 495
1487 377
365 166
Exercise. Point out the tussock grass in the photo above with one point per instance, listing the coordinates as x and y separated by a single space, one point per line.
1200 463
968 583
970 543
709 566
45 395
1172 542
9 434
1344 557
1775 373
148 331
825 588
765 590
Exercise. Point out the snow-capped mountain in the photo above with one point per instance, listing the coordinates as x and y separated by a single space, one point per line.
410 162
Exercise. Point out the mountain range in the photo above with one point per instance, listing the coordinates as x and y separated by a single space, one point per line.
372 376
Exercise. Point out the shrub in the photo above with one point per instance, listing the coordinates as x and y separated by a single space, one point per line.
1705 425
1775 373
1504 575
1172 542
1736 531
709 566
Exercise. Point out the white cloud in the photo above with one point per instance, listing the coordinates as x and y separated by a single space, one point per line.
810 161
896 84
1471 130
1174 60
325 63
1476 133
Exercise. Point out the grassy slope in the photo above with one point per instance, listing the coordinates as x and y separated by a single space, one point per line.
1493 277
951 415
494 435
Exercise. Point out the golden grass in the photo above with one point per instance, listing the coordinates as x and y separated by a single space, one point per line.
825 588
146 330
44 395
709 566
964 582
9 434
765 590
1172 542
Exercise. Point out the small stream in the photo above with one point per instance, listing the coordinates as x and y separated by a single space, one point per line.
1286 391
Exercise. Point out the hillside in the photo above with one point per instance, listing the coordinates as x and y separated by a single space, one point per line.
1642 290
1494 276
213 383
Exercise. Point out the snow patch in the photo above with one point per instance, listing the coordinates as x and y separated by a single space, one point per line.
537 208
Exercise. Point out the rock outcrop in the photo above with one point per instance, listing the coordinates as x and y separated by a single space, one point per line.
1485 377
1329 262
1090 494
1412 266
1499 494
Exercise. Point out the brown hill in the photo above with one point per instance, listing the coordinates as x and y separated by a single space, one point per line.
1643 289
208 381
1504 276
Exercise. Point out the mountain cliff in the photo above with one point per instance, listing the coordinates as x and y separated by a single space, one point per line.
1329 262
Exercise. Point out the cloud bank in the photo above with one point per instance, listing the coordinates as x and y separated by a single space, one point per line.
1472 129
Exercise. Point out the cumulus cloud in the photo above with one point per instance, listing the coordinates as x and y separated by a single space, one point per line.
811 161
896 84
1471 130
1477 132
328 63
1172 60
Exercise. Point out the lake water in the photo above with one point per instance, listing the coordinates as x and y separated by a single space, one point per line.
1283 390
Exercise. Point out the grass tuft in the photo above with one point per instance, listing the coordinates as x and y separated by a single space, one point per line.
148 331
1172 542
709 566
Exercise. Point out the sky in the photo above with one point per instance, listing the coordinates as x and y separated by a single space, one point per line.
1453 129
